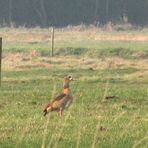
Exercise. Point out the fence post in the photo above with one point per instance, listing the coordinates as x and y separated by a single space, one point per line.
52 41
0 59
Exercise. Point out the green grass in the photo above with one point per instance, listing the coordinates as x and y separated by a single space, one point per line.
91 121
91 48
123 119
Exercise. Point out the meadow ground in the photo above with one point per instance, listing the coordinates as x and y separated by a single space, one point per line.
110 89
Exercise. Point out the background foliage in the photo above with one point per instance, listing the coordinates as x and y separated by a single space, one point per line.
59 13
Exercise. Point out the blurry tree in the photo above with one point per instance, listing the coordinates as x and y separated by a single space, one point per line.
10 11
46 13
137 11
40 11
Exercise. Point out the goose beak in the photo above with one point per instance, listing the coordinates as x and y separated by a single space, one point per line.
71 79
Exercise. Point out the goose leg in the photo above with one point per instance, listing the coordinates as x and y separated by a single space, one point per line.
61 112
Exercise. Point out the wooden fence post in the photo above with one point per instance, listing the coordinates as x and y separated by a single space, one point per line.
0 59
52 41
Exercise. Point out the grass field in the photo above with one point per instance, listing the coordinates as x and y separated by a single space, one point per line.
103 64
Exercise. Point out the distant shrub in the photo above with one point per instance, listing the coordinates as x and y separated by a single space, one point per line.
140 54
70 51
108 52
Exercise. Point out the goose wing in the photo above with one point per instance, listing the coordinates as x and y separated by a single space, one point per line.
59 97
59 101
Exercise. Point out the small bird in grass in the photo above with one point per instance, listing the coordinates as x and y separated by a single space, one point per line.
63 100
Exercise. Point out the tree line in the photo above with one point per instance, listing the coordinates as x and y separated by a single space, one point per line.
60 13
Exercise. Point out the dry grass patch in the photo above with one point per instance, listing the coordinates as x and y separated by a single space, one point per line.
22 61
61 35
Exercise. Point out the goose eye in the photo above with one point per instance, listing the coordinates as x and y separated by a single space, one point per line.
70 77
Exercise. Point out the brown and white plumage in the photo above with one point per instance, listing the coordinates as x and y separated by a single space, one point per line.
63 100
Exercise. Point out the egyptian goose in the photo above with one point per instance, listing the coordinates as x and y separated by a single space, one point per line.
63 100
